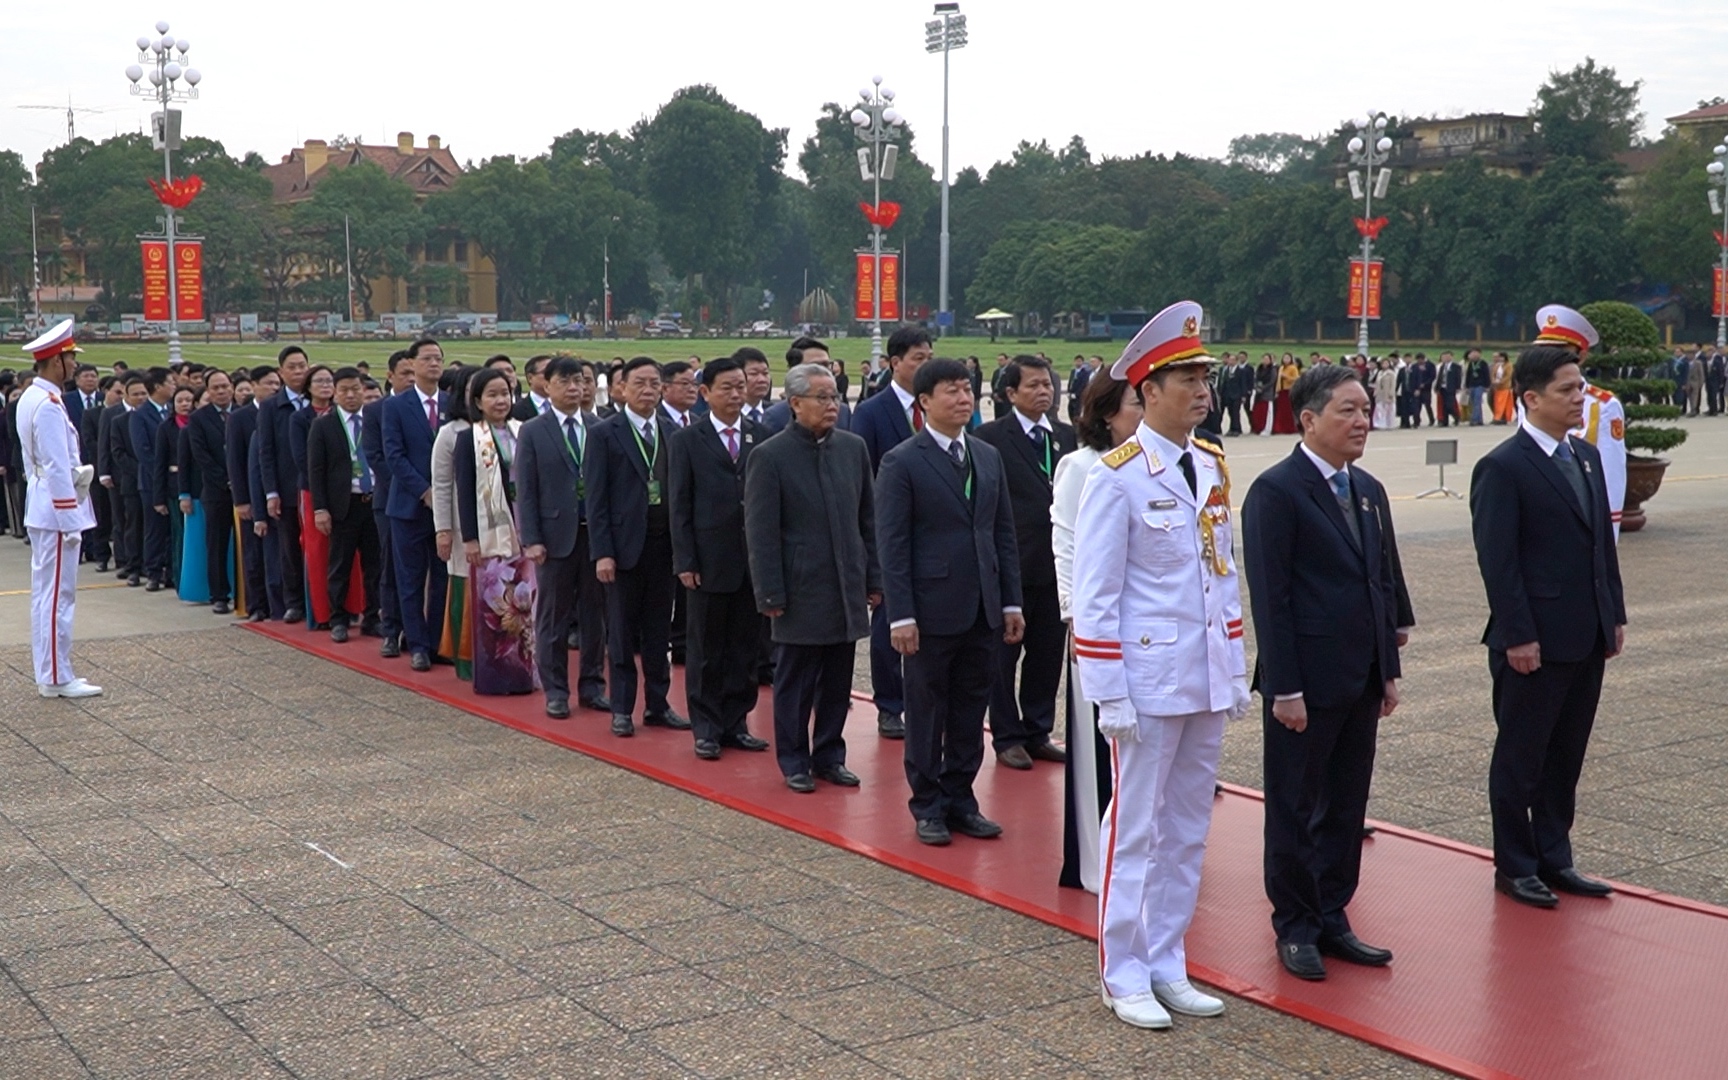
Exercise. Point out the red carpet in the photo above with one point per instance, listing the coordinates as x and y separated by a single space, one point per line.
1632 986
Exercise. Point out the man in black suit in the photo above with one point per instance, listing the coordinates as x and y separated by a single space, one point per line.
118 469
400 376
1030 446
951 577
1448 379
1330 612
712 563
1716 380
281 482
1545 545
1235 387
141 427
630 538
1478 380
206 441
680 382
1422 390
342 485
239 439
83 392
98 542
552 510
537 400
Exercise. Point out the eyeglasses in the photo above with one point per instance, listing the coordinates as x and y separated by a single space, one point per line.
821 399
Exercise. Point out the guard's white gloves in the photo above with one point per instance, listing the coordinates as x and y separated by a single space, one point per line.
81 479
1117 720
1242 697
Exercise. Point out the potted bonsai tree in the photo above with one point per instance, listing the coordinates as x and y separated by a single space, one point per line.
1630 347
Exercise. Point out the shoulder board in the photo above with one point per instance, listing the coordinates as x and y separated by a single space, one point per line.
1123 454
1210 447
1598 393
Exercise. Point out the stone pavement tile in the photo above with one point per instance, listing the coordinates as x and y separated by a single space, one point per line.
36 886
715 937
524 1026
371 914
599 1059
123 886
907 947
580 883
871 1013
398 951
663 997
328 884
405 860
835 913
61 801
995 987
843 1065
43 1058
55 929
1641 841
279 971
1074 962
110 959
795 971
1299 1048
20 1019
972 1050
459 987
763 888
577 964
111 1002
1000 929
221 937
323 814
482 897
300 1015
742 1042
146 915
180 1040
390 1053
652 906
520 931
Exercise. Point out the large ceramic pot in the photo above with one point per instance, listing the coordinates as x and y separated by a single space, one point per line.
1643 480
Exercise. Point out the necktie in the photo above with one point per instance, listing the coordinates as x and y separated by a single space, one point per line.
958 453
1187 463
648 437
917 417
684 421
544 405
432 412
755 414
1568 462
1340 482
731 442
1341 486
360 463
1038 437
573 436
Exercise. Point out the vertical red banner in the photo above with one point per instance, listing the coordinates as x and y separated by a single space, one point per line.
1719 305
155 280
864 291
1374 272
891 288
189 280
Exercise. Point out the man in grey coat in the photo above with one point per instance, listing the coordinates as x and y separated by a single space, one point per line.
809 527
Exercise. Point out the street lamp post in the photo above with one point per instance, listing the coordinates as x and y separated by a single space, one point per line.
1369 148
1718 171
157 61
944 34
877 125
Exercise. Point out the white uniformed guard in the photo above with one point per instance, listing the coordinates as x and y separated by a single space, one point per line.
56 512
1604 424
1158 634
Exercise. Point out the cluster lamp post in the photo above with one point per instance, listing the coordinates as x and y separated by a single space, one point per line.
877 124
1718 171
165 73
1369 149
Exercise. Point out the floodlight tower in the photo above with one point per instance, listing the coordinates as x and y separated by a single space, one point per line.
944 34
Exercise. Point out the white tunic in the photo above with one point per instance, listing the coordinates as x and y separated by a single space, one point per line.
50 463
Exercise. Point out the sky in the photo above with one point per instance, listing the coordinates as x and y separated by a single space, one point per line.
507 76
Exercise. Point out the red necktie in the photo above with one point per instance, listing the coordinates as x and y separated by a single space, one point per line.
432 412
684 421
732 443
917 417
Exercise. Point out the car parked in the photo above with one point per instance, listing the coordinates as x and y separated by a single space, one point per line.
449 328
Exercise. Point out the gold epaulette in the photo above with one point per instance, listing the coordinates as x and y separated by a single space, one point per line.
1210 447
1223 470
1598 393
1123 454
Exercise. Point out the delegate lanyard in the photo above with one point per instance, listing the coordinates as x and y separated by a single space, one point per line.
353 447
643 450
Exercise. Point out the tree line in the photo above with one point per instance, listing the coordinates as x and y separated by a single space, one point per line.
697 208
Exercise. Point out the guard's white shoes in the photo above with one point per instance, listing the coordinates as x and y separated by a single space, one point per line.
77 688
1181 997
1141 1010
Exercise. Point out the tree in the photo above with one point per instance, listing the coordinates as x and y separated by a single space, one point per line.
1588 112
1272 152
102 195
383 224
15 202
1571 238
1671 227
1630 341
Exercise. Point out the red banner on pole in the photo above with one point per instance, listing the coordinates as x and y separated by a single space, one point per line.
864 291
891 288
189 280
155 280
1719 307
1373 272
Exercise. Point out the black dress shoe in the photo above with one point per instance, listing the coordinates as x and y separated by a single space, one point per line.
420 660
293 614
667 719
707 749
975 825
134 581
598 704
558 708
1045 751
1352 949
1571 881
934 831
320 626
220 607
745 741
1526 890
391 648
1302 961
622 726
678 657
154 586
802 782
370 628
123 574
102 566
838 774
1015 757
257 615
339 633
890 725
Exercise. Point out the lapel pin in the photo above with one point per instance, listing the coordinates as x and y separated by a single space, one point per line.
1365 507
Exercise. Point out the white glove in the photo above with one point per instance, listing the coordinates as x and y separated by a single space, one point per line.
1118 720
81 479
1242 697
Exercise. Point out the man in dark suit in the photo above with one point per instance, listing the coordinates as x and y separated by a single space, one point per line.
83 393
410 423
401 381
552 511
1422 388
536 400
1478 380
1716 380
758 383
343 489
141 429
951 583
1448 380
1030 446
206 441
1235 388
886 420
1545 545
118 469
680 383
630 538
98 542
240 438
710 558
1078 379
1330 612
805 350
281 495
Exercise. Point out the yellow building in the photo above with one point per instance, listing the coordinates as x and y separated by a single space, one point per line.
1506 143
472 284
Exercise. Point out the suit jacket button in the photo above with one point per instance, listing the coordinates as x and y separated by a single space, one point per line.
1145 640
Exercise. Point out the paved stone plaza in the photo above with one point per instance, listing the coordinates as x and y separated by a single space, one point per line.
245 862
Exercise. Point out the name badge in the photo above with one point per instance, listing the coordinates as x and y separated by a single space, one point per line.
1161 504
653 493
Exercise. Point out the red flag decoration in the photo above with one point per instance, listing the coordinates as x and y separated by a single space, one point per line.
884 214
177 193
189 280
1373 274
1370 227
1721 240
156 280
1719 307
863 294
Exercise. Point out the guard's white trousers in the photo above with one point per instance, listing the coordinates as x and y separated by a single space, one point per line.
1151 847
53 587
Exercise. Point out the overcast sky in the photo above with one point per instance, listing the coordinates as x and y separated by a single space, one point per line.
506 76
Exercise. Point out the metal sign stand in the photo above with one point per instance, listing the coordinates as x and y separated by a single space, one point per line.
1441 452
